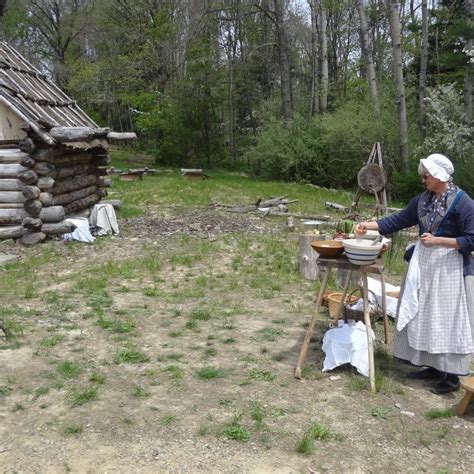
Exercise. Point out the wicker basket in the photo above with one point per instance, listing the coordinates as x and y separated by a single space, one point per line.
375 311
334 300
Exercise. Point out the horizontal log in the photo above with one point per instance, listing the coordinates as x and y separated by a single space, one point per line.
121 136
67 198
101 161
12 197
31 192
68 159
11 156
43 168
12 216
32 223
67 172
28 177
46 199
10 205
46 183
52 214
27 162
11 170
27 145
11 232
33 207
10 185
80 204
44 154
62 227
77 134
74 184
104 182
32 238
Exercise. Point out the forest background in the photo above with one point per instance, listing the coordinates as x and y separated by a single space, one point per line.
282 89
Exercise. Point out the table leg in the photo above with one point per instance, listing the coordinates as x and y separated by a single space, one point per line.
344 293
312 324
368 326
384 307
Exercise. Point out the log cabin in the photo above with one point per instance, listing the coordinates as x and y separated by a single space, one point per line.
53 156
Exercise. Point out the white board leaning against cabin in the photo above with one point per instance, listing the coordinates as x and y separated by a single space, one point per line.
10 125
53 156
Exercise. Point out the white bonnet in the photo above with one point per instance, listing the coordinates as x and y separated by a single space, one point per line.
438 166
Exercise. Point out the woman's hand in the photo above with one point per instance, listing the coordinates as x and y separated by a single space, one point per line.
361 228
429 240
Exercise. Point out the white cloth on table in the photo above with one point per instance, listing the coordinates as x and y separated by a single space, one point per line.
347 344
103 216
81 233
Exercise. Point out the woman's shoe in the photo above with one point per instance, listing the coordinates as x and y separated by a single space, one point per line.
447 385
429 373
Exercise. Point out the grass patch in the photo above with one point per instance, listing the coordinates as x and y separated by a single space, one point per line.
437 413
73 428
78 397
207 373
129 356
235 430
68 369
97 377
257 374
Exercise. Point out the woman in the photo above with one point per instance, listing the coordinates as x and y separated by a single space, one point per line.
435 316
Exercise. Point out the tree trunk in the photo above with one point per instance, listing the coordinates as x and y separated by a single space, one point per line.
423 66
314 101
284 56
469 68
367 52
323 104
392 5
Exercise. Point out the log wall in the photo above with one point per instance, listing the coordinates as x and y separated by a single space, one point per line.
41 185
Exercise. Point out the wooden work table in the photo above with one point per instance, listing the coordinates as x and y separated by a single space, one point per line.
326 265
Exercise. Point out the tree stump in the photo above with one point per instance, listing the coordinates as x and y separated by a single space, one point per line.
307 257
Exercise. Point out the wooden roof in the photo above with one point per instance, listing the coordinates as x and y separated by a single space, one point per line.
35 98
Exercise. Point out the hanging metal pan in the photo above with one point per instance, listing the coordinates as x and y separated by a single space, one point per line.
371 178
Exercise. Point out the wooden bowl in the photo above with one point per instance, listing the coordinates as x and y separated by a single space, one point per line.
328 248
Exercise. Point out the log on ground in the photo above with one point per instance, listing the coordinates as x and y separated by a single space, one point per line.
11 232
32 238
62 227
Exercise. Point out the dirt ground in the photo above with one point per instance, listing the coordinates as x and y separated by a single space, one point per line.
188 366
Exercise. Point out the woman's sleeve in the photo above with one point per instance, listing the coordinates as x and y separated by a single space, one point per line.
466 225
407 217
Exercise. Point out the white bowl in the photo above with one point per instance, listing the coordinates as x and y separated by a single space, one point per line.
361 251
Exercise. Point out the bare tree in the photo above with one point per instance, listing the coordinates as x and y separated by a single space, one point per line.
367 53
423 66
323 103
392 6
284 56
314 92
469 68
